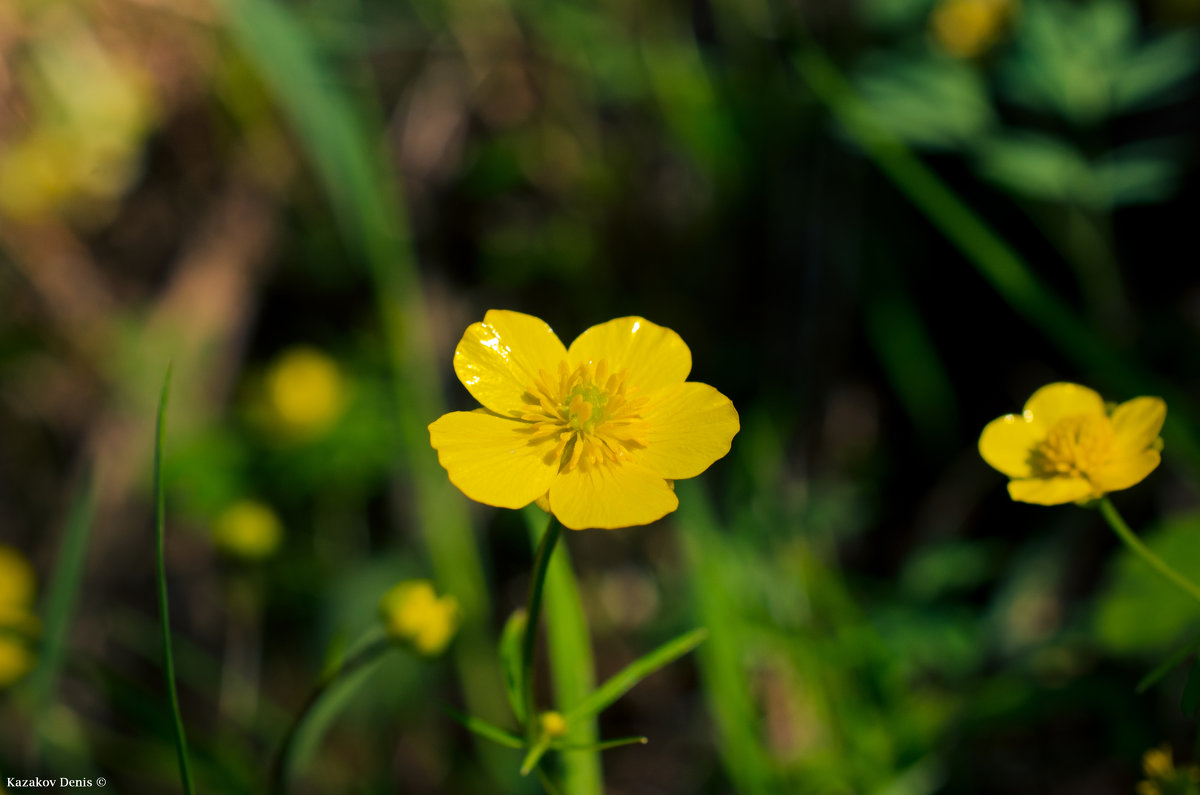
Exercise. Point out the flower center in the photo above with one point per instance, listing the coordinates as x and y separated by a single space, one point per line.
591 412
1075 446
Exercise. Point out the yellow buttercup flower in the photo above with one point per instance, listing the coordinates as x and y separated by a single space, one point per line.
248 530
414 613
1163 778
596 433
1067 446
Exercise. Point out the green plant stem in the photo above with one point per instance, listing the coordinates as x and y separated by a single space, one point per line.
367 655
1134 543
164 612
533 609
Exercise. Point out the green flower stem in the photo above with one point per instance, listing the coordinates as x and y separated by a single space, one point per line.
368 654
533 610
1134 543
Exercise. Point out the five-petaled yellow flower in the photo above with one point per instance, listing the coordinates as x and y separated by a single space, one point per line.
1068 446
597 432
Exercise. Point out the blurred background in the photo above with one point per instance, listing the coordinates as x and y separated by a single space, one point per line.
878 225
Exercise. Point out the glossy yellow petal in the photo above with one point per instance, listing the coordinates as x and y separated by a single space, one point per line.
655 356
1007 443
492 459
499 359
689 426
1137 423
608 496
1126 471
1053 402
1050 491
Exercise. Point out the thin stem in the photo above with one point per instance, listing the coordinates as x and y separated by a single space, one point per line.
533 610
181 748
368 654
1134 543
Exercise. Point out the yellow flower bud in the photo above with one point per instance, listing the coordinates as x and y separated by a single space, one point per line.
553 725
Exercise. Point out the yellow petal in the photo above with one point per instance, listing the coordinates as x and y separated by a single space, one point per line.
1137 423
491 459
1126 471
1052 402
1050 491
654 356
609 495
689 426
497 360
1007 442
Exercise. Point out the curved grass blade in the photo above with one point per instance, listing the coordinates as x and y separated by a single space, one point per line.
623 681
181 748
333 691
1166 666
60 603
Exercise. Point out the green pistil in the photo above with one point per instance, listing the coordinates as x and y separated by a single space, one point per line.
586 419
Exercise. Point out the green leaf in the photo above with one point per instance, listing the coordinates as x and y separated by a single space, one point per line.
927 102
1138 613
625 679
510 659
1039 166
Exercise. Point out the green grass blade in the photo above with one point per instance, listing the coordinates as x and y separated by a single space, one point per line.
571 663
726 684
1176 659
333 692
624 680
60 602
181 747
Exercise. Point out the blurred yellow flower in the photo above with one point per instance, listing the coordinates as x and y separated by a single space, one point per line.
967 28
1066 446
17 585
90 112
248 530
596 433
413 613
1163 778
305 392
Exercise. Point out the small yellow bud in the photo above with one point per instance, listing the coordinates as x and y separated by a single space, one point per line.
413 613
248 530
553 725
305 392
